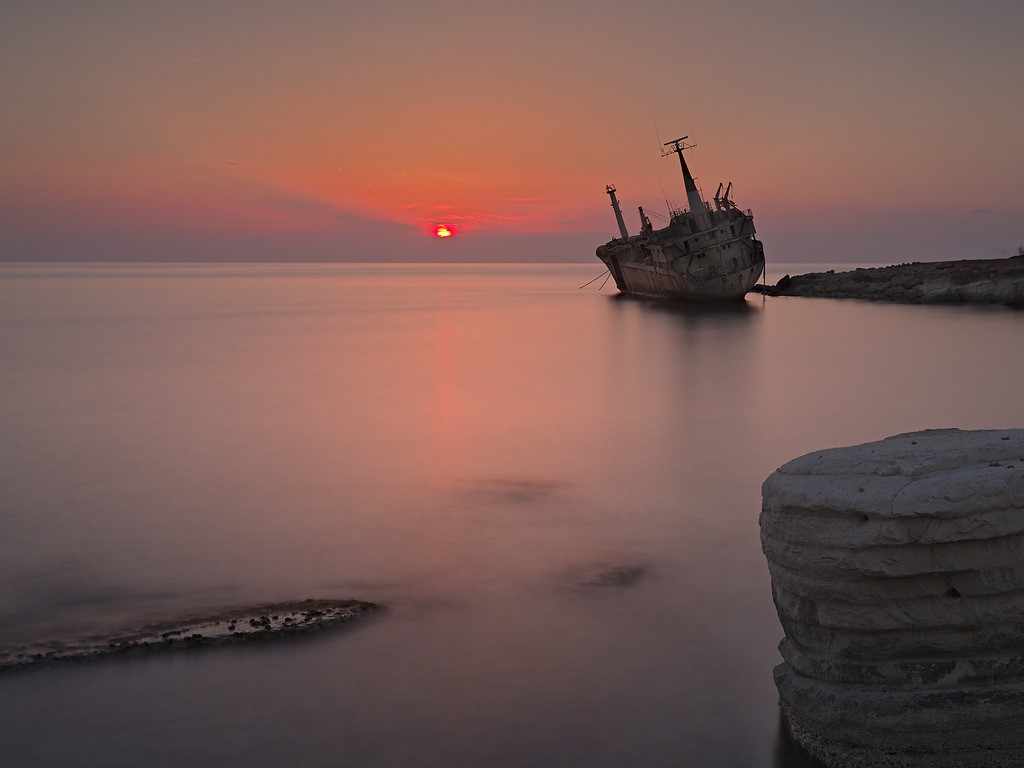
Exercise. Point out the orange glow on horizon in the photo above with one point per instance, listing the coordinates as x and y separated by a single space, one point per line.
443 231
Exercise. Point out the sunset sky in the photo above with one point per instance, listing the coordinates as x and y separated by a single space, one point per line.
315 130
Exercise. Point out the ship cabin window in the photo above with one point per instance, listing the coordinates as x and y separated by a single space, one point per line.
732 229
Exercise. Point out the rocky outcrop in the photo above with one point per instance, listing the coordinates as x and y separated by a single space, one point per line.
235 625
897 571
982 281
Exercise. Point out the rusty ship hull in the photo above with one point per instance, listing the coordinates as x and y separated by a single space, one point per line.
719 264
704 254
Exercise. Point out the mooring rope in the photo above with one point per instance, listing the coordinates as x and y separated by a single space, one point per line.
606 272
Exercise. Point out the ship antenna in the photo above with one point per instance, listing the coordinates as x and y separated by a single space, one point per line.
657 135
664 196
668 206
693 196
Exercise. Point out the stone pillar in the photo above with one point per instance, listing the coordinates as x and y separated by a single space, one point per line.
897 571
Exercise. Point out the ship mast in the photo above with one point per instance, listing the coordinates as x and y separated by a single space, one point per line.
697 207
618 212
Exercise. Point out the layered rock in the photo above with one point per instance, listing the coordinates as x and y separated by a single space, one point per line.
969 281
898 574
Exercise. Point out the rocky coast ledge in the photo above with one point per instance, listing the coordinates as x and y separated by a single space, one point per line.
897 570
236 625
989 281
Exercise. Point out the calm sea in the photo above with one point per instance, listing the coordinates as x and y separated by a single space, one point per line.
554 491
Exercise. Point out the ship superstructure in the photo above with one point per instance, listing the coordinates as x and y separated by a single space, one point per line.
704 254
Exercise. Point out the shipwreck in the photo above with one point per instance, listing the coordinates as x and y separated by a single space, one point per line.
705 253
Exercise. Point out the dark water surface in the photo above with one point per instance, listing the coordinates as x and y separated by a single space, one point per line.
554 491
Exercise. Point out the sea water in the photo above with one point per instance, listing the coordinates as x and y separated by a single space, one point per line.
554 491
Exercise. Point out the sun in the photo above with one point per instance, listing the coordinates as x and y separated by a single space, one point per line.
444 230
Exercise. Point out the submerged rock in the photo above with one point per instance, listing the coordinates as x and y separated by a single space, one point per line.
617 576
226 627
898 575
969 281
604 575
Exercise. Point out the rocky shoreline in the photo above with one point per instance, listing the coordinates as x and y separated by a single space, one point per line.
988 281
236 625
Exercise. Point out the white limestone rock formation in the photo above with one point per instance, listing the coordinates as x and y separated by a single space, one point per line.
898 574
